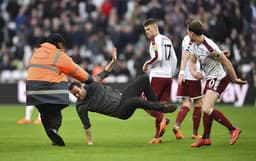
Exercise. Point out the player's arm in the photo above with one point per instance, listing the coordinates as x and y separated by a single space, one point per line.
229 69
157 56
149 62
108 67
184 59
174 60
192 67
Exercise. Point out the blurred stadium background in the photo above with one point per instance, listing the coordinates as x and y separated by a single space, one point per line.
92 27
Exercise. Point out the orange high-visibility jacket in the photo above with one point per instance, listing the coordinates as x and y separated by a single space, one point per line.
47 75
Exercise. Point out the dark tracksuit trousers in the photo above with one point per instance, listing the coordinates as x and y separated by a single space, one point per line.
51 119
131 98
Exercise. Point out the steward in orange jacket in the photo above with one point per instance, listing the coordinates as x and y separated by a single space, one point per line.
47 75
47 83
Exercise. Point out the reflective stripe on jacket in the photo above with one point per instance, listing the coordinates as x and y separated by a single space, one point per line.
47 75
41 92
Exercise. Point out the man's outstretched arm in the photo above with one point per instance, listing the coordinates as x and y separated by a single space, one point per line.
109 66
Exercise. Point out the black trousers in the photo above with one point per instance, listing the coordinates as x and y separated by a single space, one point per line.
131 98
51 115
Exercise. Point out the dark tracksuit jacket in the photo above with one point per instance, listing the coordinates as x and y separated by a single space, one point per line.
113 102
100 99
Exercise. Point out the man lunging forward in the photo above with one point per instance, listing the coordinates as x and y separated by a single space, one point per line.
106 100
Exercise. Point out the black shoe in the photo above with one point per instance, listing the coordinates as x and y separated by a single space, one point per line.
55 138
169 108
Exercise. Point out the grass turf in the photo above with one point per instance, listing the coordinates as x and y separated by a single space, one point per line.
118 140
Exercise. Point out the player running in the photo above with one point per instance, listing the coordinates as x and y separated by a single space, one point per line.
212 61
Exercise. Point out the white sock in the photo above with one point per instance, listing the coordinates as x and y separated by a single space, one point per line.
28 113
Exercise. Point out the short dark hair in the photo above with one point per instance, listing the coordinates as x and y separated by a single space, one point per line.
150 21
75 83
56 38
196 27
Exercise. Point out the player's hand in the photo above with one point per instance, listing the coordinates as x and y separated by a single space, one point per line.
226 53
197 75
240 81
145 67
181 79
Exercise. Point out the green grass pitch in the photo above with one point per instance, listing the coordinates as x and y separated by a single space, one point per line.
118 140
